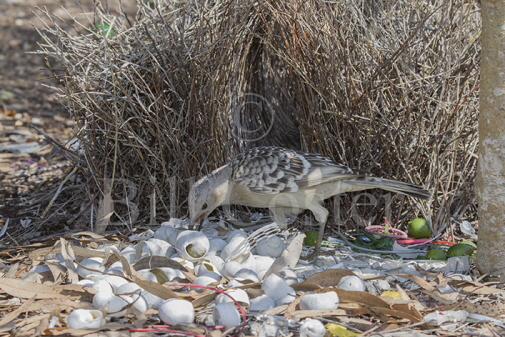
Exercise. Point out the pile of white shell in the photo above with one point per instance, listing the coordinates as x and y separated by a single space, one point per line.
211 256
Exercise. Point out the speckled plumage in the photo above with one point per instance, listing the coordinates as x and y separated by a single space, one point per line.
279 170
286 182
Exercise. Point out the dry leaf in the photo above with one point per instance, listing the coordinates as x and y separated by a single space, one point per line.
292 306
402 293
474 287
204 300
148 262
156 289
407 315
305 286
329 277
127 267
300 314
69 257
418 280
482 308
360 297
439 297
32 305
57 271
409 308
289 257
23 289
78 251
276 311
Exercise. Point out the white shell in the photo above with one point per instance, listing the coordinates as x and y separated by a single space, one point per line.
226 314
129 254
135 292
204 280
205 267
139 302
261 303
128 288
262 264
232 267
272 246
186 263
213 275
145 273
86 282
238 232
328 300
216 262
246 274
210 232
289 276
192 245
234 283
172 273
102 285
216 246
238 295
167 233
277 289
159 248
176 310
92 263
116 265
115 303
115 281
238 255
312 328
352 282
85 319
41 268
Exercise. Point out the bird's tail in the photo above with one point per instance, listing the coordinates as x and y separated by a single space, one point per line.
395 186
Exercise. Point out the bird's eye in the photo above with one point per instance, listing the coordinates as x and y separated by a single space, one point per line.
204 206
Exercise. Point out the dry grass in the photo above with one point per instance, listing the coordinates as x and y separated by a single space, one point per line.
182 86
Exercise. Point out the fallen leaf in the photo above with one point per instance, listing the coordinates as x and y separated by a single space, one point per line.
482 308
305 286
149 262
33 305
329 277
360 297
23 289
276 311
474 287
289 256
300 314
204 300
156 289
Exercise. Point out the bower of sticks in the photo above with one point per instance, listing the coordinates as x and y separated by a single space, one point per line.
164 95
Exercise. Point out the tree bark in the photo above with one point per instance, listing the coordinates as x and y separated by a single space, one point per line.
490 181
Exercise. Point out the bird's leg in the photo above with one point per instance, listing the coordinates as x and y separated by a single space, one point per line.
280 218
321 215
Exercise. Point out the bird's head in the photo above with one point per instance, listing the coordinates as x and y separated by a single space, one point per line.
207 194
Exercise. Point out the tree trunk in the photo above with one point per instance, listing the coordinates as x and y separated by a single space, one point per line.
490 182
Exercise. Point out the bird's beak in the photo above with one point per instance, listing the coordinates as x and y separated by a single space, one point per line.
196 224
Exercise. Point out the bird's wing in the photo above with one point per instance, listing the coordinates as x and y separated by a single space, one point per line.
273 170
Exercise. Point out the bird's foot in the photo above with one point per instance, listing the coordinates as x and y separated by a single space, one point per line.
312 256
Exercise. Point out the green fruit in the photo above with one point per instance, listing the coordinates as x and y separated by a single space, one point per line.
461 249
419 229
470 243
311 238
436 254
